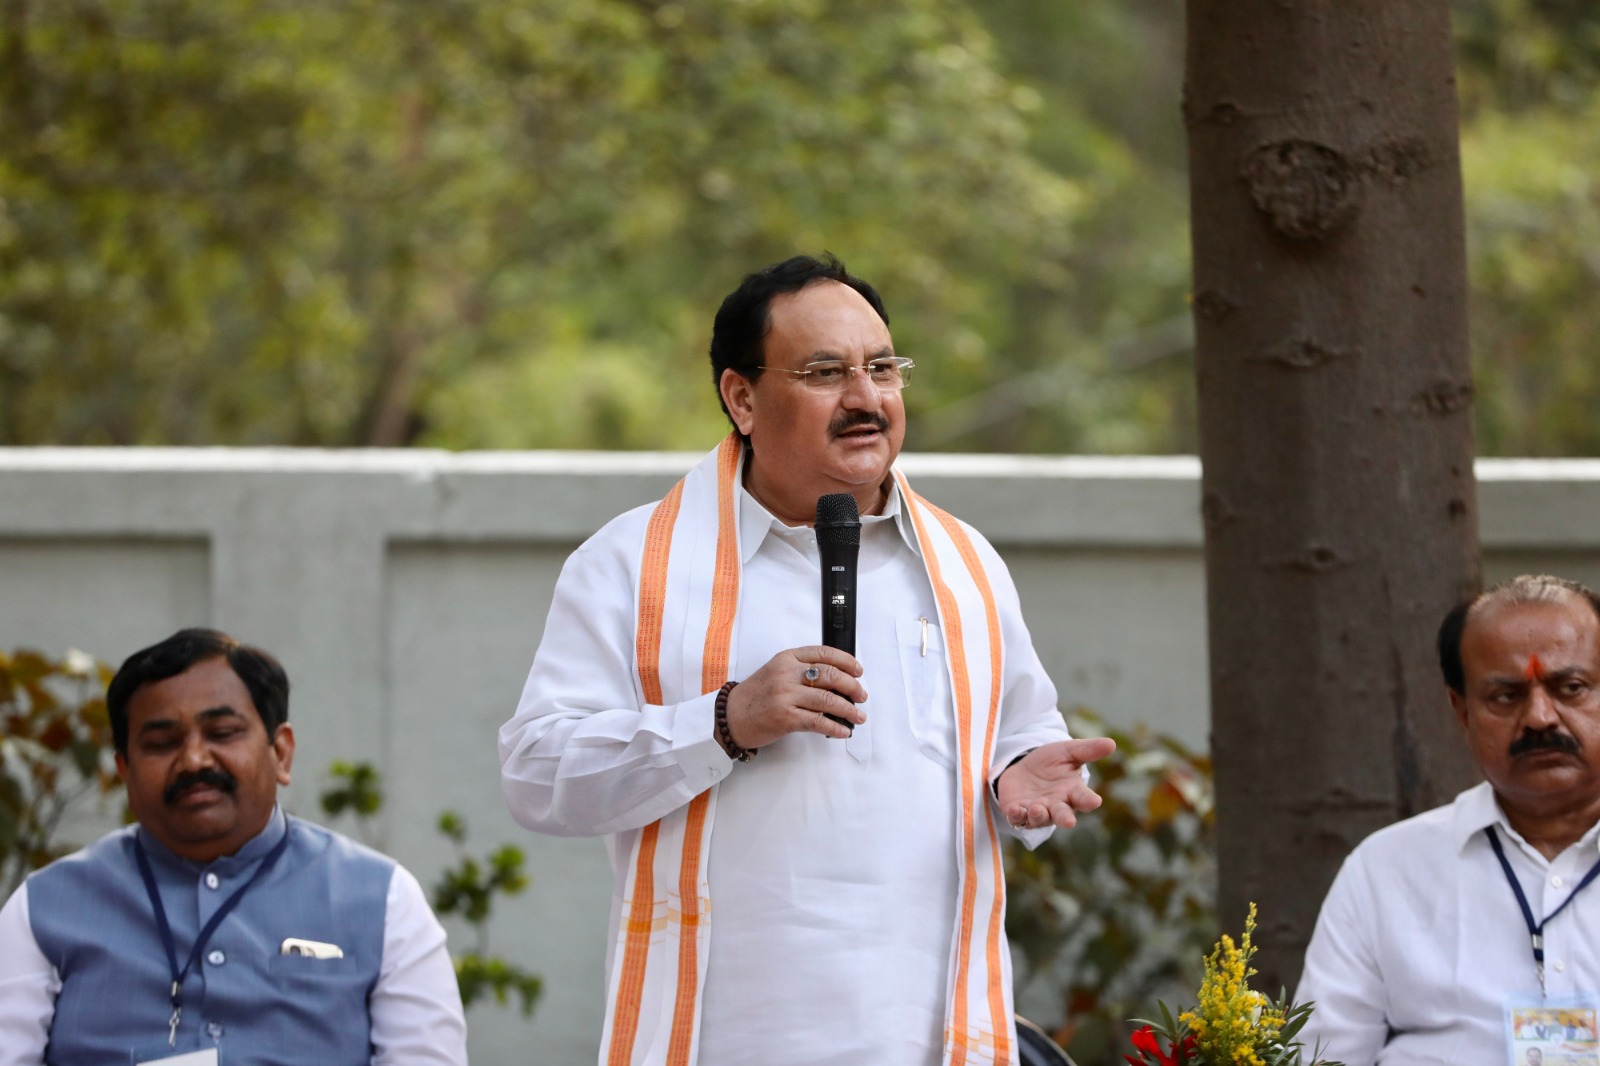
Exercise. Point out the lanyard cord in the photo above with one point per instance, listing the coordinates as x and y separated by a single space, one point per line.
210 927
1536 931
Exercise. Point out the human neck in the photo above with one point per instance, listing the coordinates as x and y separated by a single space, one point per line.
798 512
1552 831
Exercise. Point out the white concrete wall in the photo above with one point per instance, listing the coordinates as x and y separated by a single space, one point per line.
405 592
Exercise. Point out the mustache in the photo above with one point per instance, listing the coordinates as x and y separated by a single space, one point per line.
218 779
851 419
1541 740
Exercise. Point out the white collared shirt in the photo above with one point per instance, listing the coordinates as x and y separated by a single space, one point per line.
1421 941
832 864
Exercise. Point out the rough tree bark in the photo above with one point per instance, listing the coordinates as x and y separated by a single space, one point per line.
1335 431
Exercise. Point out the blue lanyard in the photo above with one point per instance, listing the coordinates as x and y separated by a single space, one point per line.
205 933
1536 931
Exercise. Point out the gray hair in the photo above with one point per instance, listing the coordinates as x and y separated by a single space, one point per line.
1526 589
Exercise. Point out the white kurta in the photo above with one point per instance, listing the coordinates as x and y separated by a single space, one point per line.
1421 941
832 863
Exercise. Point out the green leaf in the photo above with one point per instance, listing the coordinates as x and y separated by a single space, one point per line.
453 826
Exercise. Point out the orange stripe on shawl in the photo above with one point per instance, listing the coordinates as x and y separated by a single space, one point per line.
647 651
955 647
713 672
683 1010
725 586
653 592
997 998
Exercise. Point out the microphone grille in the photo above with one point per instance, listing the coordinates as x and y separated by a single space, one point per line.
837 519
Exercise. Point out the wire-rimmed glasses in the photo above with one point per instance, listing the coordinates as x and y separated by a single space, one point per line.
888 373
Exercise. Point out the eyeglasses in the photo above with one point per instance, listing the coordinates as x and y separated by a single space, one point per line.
831 375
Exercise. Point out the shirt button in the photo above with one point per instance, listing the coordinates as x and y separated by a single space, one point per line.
212 880
216 958
1560 966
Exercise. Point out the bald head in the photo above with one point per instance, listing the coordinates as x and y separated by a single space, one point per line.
1526 590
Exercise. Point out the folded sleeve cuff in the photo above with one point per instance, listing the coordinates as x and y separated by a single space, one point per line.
695 746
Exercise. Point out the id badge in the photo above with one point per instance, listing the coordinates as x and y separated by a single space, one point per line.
208 1057
1553 1032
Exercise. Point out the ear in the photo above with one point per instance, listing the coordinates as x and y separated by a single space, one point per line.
1458 703
283 748
738 395
122 766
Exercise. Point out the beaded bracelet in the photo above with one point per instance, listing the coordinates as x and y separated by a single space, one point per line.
724 735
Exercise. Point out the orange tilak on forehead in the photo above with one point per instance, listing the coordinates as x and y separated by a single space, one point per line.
1535 670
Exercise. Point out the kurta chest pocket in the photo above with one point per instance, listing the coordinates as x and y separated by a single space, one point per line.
924 672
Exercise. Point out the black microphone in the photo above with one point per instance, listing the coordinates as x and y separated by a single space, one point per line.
838 543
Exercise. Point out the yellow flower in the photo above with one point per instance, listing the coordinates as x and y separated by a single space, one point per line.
1232 1023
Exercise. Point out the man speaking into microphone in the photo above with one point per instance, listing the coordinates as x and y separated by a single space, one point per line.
805 839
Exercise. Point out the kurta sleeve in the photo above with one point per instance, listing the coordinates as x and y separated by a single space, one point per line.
415 1006
29 985
1341 974
584 755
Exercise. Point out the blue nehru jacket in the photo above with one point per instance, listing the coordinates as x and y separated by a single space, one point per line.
92 919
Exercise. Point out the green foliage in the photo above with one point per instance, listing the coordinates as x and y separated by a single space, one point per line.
1122 909
55 751
1530 143
467 889
479 976
1100 358
1518 55
358 789
503 222
506 223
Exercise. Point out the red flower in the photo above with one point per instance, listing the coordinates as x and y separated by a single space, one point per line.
1147 1044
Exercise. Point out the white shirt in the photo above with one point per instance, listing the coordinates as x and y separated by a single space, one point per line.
832 863
411 1023
1421 942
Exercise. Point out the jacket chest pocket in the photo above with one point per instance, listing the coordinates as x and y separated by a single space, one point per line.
924 673
305 971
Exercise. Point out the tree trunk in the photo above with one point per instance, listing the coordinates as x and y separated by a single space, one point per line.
1335 431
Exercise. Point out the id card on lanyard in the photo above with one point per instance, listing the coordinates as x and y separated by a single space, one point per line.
1541 1031
1553 1032
207 1057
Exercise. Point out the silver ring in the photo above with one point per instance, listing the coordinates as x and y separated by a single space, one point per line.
812 674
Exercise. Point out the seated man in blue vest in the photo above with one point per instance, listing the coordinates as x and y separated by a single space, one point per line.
219 931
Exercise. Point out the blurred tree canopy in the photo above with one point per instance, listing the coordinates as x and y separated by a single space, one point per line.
1530 95
485 223
507 223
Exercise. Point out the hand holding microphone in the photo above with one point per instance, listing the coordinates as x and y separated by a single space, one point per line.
802 690
815 689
